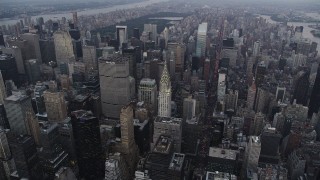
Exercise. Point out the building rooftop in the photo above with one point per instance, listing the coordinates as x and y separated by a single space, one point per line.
17 97
148 81
163 145
177 162
220 176
114 59
223 153
203 28
47 127
171 120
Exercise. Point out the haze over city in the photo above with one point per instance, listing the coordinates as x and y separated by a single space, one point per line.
159 89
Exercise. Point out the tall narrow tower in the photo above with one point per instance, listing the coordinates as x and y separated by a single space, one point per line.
2 90
165 94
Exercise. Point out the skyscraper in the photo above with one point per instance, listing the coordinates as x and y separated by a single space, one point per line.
121 34
314 104
270 142
8 68
251 96
253 152
128 147
63 46
164 107
4 122
189 108
151 28
147 92
116 86
256 48
52 155
25 156
86 133
33 46
202 40
6 161
280 94
3 94
260 73
16 107
89 57
55 106
301 86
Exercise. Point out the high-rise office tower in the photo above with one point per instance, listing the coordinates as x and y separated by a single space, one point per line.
63 46
259 121
90 57
8 68
7 166
75 19
52 155
16 107
251 96
249 73
202 40
55 105
189 108
116 86
256 48
147 92
86 133
301 86
151 28
47 50
33 126
116 167
260 73
164 106
270 142
299 60
314 104
121 34
66 138
33 70
4 122
179 51
252 153
21 44
136 33
38 94
128 146
3 94
24 152
169 127
262 100
280 94
231 100
33 46
16 52
221 86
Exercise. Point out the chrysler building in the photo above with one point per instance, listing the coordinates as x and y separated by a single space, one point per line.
165 94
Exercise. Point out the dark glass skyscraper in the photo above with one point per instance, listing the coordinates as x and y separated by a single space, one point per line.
24 152
315 95
3 118
86 133
301 87
8 68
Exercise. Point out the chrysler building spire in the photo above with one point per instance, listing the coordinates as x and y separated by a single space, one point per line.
165 93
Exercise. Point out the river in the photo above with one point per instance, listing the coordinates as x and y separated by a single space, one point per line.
306 30
85 12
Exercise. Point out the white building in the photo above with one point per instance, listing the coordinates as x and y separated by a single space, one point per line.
202 40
